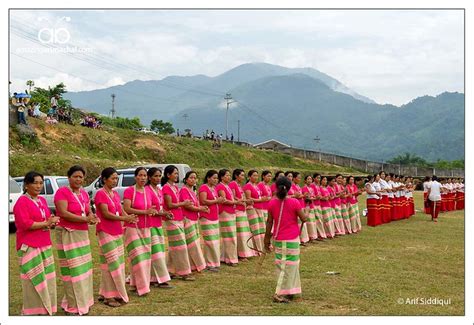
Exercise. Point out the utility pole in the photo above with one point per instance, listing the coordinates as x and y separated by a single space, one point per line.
317 139
238 130
113 106
228 98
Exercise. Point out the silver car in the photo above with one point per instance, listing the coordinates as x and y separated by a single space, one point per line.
15 192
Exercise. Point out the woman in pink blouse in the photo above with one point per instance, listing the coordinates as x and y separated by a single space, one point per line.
353 204
242 222
273 187
33 222
317 207
159 270
310 197
72 241
227 219
191 217
266 190
283 216
298 194
327 210
336 205
178 257
209 221
110 236
254 211
138 201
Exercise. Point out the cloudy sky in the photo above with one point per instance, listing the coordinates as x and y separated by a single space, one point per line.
390 56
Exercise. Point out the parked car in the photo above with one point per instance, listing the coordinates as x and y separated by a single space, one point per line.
127 178
51 185
15 192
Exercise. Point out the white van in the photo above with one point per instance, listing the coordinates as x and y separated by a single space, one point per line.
127 178
15 192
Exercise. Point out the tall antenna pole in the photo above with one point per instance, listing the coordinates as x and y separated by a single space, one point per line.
238 130
228 98
113 106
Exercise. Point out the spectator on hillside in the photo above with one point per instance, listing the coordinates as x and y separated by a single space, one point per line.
21 111
51 120
36 110
232 137
54 104
212 134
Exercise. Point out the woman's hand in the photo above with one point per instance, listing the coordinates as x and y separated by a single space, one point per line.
131 218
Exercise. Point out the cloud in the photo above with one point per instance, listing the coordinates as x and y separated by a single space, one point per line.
390 56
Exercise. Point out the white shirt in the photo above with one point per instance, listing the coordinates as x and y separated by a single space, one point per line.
426 186
54 102
390 186
372 189
435 194
383 185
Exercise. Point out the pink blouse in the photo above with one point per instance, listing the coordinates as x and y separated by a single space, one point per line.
317 191
265 190
297 189
308 189
76 204
27 212
239 194
325 192
186 194
228 195
254 194
173 192
142 201
285 228
111 227
213 208
157 199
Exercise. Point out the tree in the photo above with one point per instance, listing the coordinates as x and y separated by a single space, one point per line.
43 96
408 159
161 127
30 83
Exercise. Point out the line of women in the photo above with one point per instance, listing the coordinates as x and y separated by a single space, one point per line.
223 223
452 194
389 198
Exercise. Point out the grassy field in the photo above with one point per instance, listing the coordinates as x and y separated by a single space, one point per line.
406 259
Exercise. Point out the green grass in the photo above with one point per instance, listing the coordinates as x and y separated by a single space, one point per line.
62 146
404 259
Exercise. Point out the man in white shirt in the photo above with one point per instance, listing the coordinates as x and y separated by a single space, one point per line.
434 195
54 104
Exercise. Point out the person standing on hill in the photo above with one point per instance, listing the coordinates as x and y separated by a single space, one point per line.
283 216
33 221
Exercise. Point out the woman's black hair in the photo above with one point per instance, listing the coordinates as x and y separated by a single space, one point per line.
189 173
380 172
138 170
392 175
316 175
168 170
265 173
76 168
306 177
295 174
30 179
152 171
348 178
222 173
209 174
426 179
283 185
288 173
106 173
277 174
250 173
236 173
331 178
435 178
338 175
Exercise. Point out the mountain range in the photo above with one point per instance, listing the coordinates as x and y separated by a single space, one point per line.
293 106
